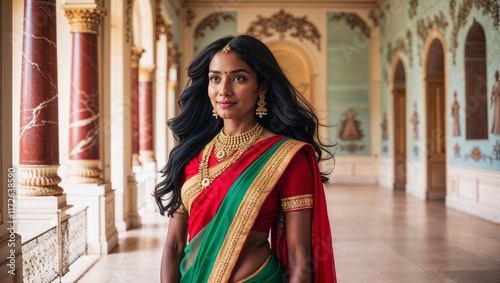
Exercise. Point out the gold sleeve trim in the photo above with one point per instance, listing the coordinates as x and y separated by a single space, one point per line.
181 210
297 202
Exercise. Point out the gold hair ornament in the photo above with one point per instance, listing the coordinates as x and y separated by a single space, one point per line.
226 48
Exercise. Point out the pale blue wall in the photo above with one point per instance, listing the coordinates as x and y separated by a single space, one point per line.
348 82
398 21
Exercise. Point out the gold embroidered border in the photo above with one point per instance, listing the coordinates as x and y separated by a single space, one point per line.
249 209
297 202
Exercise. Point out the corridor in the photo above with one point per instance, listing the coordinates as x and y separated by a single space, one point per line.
379 236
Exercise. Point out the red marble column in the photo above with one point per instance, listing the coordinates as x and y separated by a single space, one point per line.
38 135
146 153
136 56
84 102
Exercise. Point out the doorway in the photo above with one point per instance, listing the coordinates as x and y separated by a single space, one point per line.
435 121
399 103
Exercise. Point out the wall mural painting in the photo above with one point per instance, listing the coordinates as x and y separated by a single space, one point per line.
282 22
353 21
384 126
402 46
425 25
459 20
455 114
212 21
495 103
350 126
414 120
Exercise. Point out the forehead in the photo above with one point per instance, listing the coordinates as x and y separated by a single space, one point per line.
228 62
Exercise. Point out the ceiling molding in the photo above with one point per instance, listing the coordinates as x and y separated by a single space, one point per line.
326 4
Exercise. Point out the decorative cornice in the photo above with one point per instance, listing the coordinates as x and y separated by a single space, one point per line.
211 21
146 74
136 53
281 22
401 46
425 25
412 11
84 20
488 6
353 20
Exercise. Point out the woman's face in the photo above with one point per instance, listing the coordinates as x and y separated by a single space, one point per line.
233 88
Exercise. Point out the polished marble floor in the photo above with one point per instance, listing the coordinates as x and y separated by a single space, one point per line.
379 236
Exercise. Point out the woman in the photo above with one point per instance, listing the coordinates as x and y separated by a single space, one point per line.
246 163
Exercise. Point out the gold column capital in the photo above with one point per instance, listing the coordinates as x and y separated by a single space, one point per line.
172 85
146 73
136 52
84 19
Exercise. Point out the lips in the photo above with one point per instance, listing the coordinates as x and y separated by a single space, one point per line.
225 104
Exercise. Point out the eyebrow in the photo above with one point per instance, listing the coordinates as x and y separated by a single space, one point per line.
231 72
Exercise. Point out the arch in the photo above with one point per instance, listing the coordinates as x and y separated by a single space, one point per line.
475 84
435 76
398 92
144 34
297 67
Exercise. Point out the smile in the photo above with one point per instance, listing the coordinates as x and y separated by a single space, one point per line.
225 104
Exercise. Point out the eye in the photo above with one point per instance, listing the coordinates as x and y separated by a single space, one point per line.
213 79
239 78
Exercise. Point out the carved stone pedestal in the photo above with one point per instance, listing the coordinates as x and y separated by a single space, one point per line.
101 230
146 182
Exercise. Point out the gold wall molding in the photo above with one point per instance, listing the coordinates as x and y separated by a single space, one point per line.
212 21
136 53
282 23
161 25
354 22
84 20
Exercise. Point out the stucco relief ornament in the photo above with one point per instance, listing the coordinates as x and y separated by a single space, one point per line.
385 134
414 120
350 126
495 103
454 112
496 150
456 148
476 154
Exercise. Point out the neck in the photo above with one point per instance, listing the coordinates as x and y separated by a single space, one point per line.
234 128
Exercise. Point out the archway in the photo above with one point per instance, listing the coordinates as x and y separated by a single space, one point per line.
399 121
296 66
434 104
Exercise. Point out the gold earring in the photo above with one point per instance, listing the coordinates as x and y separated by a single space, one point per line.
215 114
261 110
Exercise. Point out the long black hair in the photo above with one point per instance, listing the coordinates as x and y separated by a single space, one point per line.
289 114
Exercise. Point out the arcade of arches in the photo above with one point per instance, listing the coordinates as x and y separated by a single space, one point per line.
410 88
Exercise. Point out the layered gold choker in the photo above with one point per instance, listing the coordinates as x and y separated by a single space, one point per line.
224 146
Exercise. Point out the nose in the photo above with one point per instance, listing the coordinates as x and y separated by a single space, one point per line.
225 87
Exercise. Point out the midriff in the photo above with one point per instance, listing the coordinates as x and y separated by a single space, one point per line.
253 254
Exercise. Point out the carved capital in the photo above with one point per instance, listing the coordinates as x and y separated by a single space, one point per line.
146 156
84 20
39 180
172 85
85 172
146 74
136 55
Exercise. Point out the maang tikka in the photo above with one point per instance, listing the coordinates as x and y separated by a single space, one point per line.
261 110
226 48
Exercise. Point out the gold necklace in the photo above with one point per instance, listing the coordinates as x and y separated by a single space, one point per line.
226 143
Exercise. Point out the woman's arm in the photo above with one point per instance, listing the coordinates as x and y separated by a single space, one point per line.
299 239
173 252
